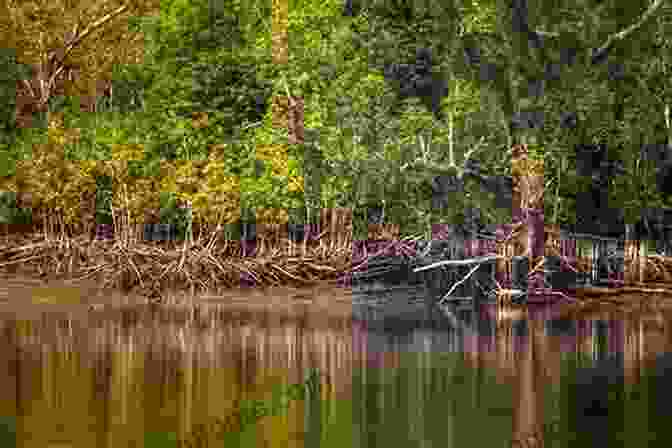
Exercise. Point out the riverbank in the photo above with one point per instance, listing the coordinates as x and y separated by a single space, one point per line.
171 272
206 265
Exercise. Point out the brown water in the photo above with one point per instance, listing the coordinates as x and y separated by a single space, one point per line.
80 368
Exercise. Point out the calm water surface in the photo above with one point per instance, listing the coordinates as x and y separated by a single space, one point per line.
325 367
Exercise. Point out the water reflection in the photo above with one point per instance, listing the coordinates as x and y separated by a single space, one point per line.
532 377
395 369
141 376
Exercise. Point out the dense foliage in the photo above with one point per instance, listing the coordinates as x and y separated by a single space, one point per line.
547 74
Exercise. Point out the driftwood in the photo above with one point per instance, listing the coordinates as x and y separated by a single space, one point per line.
477 260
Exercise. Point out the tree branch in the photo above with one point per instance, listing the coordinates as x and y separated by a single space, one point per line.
78 38
623 34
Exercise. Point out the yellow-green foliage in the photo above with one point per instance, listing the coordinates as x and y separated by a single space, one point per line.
56 184
59 185
211 194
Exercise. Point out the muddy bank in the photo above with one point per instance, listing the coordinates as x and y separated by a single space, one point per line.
28 296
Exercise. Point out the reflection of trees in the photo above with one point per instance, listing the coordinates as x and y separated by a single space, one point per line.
528 395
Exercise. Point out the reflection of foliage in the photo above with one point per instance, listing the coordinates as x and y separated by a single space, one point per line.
233 429
7 431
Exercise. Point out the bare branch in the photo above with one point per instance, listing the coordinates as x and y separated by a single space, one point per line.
478 260
474 148
77 39
623 34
